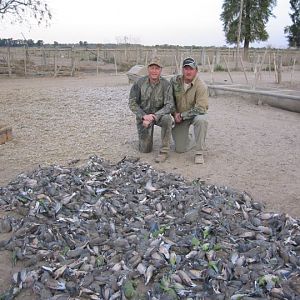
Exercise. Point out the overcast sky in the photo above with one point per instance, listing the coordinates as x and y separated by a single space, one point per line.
193 22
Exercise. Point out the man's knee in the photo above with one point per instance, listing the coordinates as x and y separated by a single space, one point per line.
200 120
166 121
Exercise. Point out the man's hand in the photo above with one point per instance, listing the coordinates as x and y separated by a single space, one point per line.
178 118
148 120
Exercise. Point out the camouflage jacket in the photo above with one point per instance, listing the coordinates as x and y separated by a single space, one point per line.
147 98
193 101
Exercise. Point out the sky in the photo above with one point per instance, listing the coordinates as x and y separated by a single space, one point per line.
152 22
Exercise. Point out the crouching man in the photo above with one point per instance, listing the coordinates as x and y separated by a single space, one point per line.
191 102
151 100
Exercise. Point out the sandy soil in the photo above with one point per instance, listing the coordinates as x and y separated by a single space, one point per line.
250 147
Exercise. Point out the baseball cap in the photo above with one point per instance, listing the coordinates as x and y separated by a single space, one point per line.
189 62
155 61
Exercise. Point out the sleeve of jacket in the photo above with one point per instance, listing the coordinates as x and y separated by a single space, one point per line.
169 106
134 101
201 103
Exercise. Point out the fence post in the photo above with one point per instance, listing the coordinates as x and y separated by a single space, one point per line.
73 62
115 61
228 69
293 70
243 67
55 64
44 57
25 61
98 53
203 57
8 61
279 69
211 68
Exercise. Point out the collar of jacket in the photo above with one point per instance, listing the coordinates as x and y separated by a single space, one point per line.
192 82
154 82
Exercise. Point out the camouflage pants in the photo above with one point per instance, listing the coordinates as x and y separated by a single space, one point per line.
182 138
146 134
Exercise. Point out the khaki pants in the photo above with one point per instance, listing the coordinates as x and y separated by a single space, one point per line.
182 138
146 134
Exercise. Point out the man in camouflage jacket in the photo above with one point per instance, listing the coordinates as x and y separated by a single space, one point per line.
151 100
191 102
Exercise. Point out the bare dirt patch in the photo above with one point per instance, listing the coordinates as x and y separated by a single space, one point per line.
57 120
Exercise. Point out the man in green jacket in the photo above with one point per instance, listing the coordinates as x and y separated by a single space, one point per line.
191 102
151 100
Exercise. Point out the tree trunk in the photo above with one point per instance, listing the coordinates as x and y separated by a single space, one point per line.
246 49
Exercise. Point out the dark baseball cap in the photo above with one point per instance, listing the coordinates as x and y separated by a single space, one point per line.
189 62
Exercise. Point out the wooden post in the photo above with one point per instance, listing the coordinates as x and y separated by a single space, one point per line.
125 54
243 67
181 62
293 70
228 70
98 53
275 68
255 71
25 61
218 56
279 69
212 68
137 55
55 64
8 61
44 57
203 57
115 61
73 62
177 65
269 64
258 74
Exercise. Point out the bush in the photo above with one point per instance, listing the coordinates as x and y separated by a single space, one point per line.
219 68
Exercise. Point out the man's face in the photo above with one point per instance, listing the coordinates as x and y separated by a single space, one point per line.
189 73
154 72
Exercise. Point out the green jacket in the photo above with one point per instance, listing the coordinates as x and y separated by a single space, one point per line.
193 101
147 98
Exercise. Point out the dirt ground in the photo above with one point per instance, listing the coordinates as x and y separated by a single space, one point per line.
250 147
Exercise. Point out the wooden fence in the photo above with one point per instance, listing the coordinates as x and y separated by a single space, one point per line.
67 61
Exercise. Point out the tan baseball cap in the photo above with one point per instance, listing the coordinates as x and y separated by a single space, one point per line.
155 61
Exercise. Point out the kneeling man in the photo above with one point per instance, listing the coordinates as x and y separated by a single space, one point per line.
191 103
151 100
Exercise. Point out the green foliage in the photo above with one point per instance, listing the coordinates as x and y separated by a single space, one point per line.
217 247
293 31
213 265
129 289
255 15
100 261
195 242
206 247
219 68
206 232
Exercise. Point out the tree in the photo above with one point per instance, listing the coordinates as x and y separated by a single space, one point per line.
293 31
19 11
255 15
30 42
40 43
